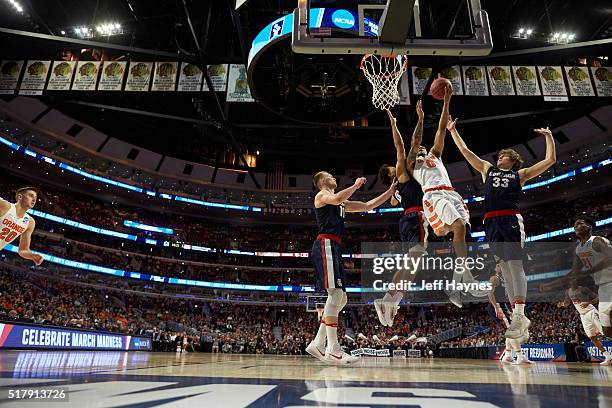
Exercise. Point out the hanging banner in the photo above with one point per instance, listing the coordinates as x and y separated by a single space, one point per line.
553 83
9 75
404 90
453 74
420 76
139 76
238 87
218 76
34 78
475 80
603 80
61 76
500 80
164 78
190 78
579 81
112 76
86 76
526 81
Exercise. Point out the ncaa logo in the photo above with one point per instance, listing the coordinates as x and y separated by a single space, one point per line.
277 29
343 19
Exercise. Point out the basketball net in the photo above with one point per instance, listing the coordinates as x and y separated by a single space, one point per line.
384 73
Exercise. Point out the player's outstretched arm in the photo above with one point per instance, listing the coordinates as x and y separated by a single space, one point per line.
24 244
494 280
417 136
325 197
540 167
438 145
360 206
480 165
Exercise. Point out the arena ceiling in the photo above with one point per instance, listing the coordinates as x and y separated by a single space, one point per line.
225 35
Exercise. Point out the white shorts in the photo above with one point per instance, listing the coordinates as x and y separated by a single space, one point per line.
591 323
605 309
442 208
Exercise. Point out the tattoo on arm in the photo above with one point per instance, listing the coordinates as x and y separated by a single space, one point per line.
417 138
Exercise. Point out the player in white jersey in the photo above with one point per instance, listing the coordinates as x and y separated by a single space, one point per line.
583 299
442 205
499 288
16 222
594 255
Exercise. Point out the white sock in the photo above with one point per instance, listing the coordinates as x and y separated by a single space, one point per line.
519 308
321 333
332 334
606 354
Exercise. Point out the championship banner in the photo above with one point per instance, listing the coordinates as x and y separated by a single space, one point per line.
603 80
399 353
61 76
34 77
579 81
553 83
594 353
453 74
21 336
419 79
500 80
164 78
526 81
86 76
218 77
404 89
475 80
113 73
383 353
139 76
190 78
237 85
9 76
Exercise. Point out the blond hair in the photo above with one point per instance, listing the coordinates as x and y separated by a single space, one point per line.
514 156
317 178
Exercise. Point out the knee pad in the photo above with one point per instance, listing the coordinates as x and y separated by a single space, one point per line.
333 305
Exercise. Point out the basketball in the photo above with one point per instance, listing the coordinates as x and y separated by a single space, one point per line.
437 87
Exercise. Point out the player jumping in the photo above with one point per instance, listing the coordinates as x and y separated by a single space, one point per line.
503 223
330 208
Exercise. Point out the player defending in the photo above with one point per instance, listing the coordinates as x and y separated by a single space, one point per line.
330 208
503 222
584 299
413 226
443 206
15 221
499 289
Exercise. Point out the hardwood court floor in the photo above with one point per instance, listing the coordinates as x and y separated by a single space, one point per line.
138 379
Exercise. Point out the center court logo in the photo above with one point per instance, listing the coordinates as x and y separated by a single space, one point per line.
343 19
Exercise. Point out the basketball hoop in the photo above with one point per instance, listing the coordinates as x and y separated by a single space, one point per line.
384 73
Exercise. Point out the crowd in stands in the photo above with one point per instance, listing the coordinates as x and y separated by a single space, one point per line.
190 325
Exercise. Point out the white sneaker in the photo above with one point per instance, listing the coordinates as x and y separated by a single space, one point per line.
380 307
336 356
518 326
454 296
521 358
607 361
314 350
507 358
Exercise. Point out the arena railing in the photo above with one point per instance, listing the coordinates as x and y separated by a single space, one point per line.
179 198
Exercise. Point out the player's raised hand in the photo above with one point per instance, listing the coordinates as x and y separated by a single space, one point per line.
419 109
392 118
451 124
543 131
360 182
448 93
393 186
